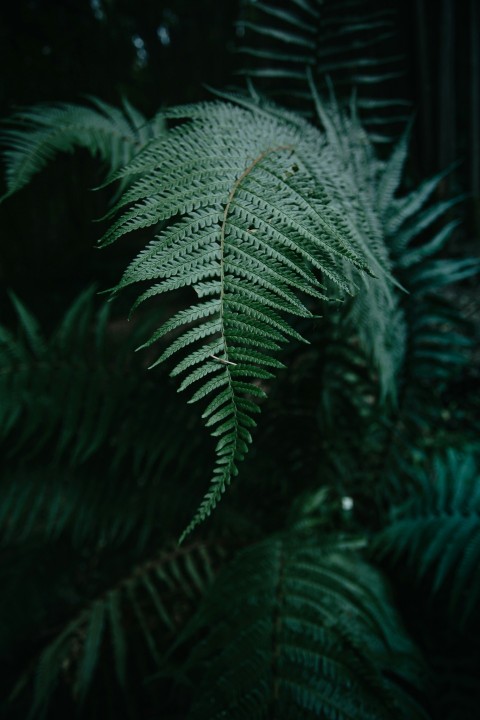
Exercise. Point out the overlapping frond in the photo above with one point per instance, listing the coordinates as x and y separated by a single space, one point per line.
295 630
40 395
438 339
38 133
400 327
436 532
256 225
350 42
64 389
375 315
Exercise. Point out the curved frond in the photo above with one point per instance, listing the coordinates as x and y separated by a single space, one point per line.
42 131
256 225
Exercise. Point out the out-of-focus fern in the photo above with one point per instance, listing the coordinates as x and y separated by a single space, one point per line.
295 629
141 609
77 454
375 315
39 133
438 346
436 532
350 42
46 389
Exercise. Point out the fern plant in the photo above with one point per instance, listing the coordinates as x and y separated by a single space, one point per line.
41 132
311 634
68 401
260 213
290 250
147 597
252 204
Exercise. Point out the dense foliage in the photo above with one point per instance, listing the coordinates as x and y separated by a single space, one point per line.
285 272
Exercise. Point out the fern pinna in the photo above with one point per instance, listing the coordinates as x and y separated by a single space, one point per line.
253 220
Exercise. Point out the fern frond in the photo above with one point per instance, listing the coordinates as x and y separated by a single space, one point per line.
75 447
375 314
438 344
253 216
139 609
299 631
280 44
436 532
47 391
40 132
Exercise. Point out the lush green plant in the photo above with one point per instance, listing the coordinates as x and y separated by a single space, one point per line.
336 579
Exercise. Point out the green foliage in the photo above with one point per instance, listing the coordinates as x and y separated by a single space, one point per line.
436 533
348 42
268 247
69 401
40 132
256 206
299 629
277 218
139 608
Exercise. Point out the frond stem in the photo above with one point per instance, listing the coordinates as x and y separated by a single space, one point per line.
234 189
228 204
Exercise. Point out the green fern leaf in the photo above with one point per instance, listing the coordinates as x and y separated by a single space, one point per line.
280 46
250 226
68 402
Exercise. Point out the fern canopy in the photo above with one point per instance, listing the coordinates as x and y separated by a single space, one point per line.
253 218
